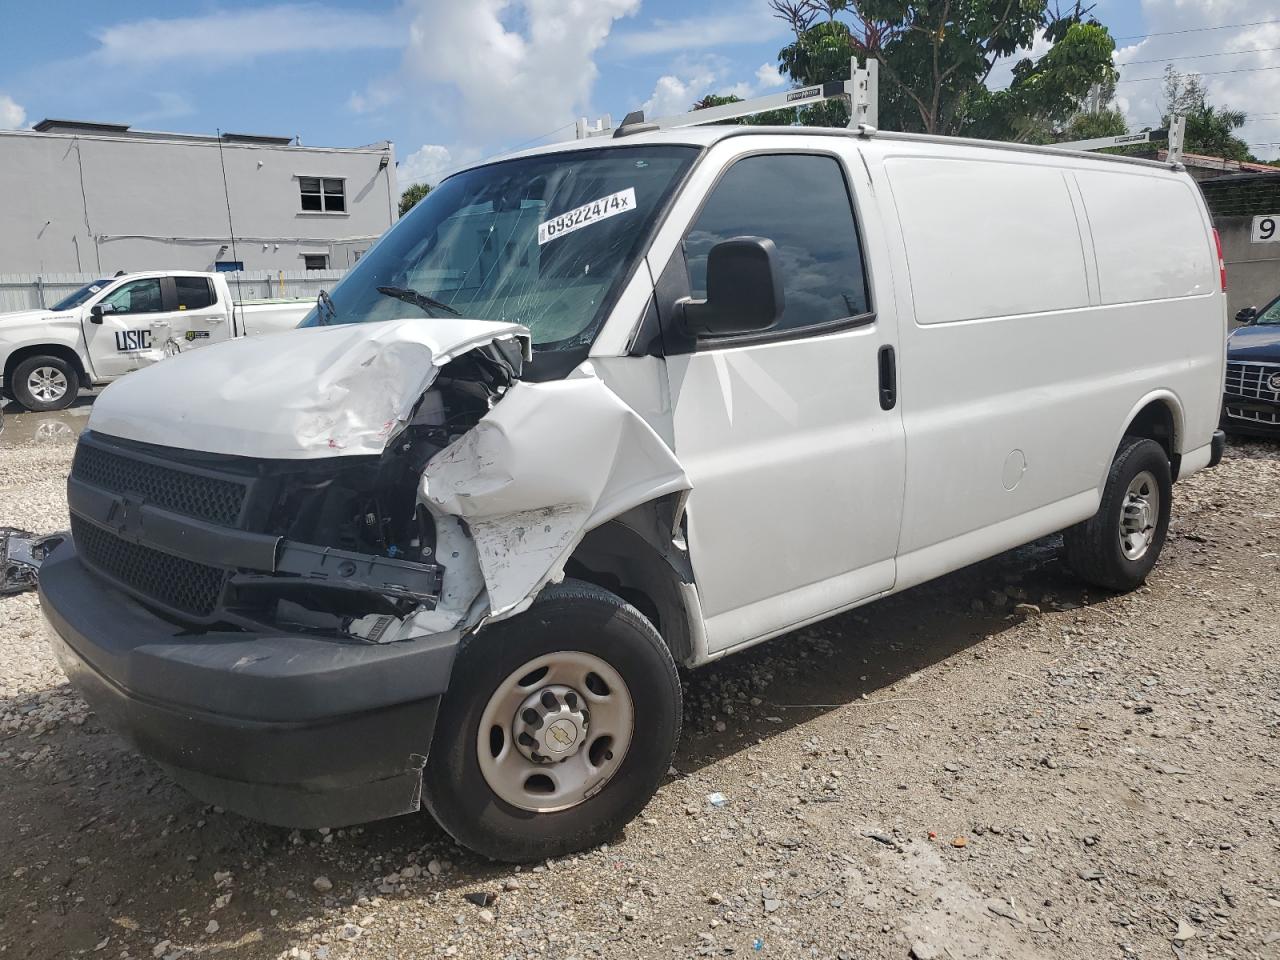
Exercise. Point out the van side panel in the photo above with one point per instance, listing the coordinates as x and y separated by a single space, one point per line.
988 239
1016 380
1144 230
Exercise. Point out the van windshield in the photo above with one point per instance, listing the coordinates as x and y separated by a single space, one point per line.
542 241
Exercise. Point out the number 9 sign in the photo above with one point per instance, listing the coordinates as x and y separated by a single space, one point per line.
1266 228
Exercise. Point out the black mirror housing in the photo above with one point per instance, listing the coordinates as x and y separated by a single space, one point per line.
95 313
1247 315
744 289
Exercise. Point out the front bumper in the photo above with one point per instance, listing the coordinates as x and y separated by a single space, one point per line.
1246 416
293 730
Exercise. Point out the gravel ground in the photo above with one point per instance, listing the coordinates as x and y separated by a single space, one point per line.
998 764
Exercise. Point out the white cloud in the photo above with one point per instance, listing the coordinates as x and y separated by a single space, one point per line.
12 116
1255 91
426 164
512 68
209 41
754 24
691 80
769 76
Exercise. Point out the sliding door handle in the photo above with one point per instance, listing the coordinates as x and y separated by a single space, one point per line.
888 378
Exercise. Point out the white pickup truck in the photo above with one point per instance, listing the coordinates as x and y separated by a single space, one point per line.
112 327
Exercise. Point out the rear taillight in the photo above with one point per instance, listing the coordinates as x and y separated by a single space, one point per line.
1222 264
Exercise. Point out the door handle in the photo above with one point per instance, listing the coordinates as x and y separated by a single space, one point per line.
888 378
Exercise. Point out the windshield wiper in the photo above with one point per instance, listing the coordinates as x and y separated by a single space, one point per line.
417 299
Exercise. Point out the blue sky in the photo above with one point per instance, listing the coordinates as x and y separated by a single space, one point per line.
451 81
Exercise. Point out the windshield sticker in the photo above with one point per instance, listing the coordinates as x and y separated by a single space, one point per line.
587 214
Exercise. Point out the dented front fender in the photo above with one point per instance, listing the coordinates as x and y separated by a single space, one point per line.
550 462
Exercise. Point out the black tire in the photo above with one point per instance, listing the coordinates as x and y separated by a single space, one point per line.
569 616
1092 549
18 383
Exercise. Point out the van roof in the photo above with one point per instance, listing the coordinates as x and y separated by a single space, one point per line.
705 136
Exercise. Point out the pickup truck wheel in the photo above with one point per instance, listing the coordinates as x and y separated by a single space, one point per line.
45 383
1117 547
557 728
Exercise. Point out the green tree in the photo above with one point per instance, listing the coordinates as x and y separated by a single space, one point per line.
412 194
1210 130
936 55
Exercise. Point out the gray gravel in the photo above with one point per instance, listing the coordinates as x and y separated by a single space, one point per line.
1000 764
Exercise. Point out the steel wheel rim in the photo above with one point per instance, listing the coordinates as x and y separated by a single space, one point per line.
581 740
1139 515
47 384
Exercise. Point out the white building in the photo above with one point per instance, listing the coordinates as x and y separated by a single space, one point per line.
99 197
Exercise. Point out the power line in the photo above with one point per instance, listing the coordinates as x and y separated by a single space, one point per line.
1176 33
1200 56
1206 73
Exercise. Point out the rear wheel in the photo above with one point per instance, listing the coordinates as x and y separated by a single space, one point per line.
45 383
1117 547
557 728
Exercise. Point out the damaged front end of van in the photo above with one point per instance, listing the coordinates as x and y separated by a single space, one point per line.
266 587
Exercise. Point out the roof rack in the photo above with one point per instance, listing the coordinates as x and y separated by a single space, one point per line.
1174 135
862 90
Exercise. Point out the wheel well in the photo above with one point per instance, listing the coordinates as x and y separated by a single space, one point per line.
46 350
1155 422
620 559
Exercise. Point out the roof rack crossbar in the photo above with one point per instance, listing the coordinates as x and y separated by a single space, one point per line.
861 89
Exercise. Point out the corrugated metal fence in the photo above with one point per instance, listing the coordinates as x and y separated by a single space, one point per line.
30 291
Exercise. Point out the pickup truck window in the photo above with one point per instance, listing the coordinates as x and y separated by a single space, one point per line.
80 296
543 241
801 203
194 293
137 296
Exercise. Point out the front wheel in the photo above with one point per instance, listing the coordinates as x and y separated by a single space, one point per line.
45 383
557 728
1117 547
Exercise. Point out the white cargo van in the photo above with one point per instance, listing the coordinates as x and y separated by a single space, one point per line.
112 327
590 412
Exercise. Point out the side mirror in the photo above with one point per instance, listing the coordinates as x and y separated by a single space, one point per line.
1247 315
95 313
744 289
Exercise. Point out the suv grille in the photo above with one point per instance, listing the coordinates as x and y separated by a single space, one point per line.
1253 380
205 498
179 584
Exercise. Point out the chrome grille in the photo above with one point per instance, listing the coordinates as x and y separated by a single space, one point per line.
1254 416
179 584
191 494
1253 380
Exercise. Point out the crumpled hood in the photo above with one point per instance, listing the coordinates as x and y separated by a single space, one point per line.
302 394
1259 344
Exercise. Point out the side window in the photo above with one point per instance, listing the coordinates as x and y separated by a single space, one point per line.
137 296
194 292
801 203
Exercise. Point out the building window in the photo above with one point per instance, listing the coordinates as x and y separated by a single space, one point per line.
228 266
315 261
323 195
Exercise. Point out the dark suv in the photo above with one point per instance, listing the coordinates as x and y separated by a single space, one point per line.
1251 404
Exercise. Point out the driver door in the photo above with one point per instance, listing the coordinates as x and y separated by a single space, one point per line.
125 339
796 454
